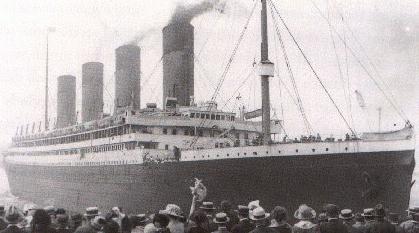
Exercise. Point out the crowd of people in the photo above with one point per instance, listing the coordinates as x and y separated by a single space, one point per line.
204 217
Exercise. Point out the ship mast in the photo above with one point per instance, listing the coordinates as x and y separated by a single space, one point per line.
46 80
265 71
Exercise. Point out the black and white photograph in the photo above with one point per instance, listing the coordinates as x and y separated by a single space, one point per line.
202 116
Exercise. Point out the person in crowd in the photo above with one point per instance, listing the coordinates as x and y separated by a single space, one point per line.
411 225
3 223
359 223
227 208
28 211
321 218
62 222
209 209
122 219
381 225
76 221
110 227
333 224
41 222
394 219
51 212
368 215
175 215
222 220
348 220
139 222
199 223
279 220
244 225
159 224
89 226
13 216
305 214
260 218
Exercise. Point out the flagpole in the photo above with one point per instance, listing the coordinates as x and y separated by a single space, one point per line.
46 78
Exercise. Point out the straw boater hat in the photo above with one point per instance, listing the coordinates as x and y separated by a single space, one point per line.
369 212
207 205
221 218
305 212
259 214
346 214
172 210
92 212
413 210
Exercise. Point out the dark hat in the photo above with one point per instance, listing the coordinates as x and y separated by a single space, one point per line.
413 210
225 205
12 214
322 217
207 205
142 218
346 214
394 217
77 218
92 212
259 214
199 216
221 218
60 211
50 210
279 213
243 210
379 210
162 219
369 212
332 210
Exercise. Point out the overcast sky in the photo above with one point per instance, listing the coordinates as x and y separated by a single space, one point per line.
89 30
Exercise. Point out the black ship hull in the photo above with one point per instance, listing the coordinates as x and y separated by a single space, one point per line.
354 181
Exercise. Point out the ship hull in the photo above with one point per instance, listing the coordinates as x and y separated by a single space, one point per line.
356 181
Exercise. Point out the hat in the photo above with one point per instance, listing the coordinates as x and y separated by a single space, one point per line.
253 205
413 210
379 210
50 210
332 210
172 210
346 214
259 214
322 217
243 210
77 218
369 212
60 211
359 217
92 212
394 218
279 213
221 218
142 218
12 214
207 205
28 207
305 212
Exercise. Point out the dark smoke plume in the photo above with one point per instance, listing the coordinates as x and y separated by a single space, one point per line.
185 13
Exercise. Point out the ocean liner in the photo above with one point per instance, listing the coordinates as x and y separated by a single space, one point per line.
144 158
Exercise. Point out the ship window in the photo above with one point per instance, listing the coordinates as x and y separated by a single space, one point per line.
267 152
164 131
313 150
200 133
166 147
255 153
202 115
223 117
218 155
192 115
228 155
212 116
174 131
346 148
232 118
327 149
245 153
207 116
217 117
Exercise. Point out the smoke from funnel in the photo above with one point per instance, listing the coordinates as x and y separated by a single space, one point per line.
140 36
185 13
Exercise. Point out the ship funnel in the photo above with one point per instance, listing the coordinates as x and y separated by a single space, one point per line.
66 101
127 76
92 91
178 62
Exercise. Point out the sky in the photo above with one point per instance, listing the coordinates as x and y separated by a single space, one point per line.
380 32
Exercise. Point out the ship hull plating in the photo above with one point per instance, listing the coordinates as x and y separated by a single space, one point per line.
354 181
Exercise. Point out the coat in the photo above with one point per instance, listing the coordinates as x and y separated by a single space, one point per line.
284 228
244 226
263 229
381 226
3 224
12 229
360 227
333 226
305 226
410 226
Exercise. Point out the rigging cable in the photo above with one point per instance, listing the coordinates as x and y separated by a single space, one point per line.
227 68
399 111
307 124
272 5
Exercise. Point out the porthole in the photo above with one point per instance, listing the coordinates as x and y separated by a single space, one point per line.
296 150
255 153
228 155
267 152
346 148
327 149
245 153
314 150
218 155
279 152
